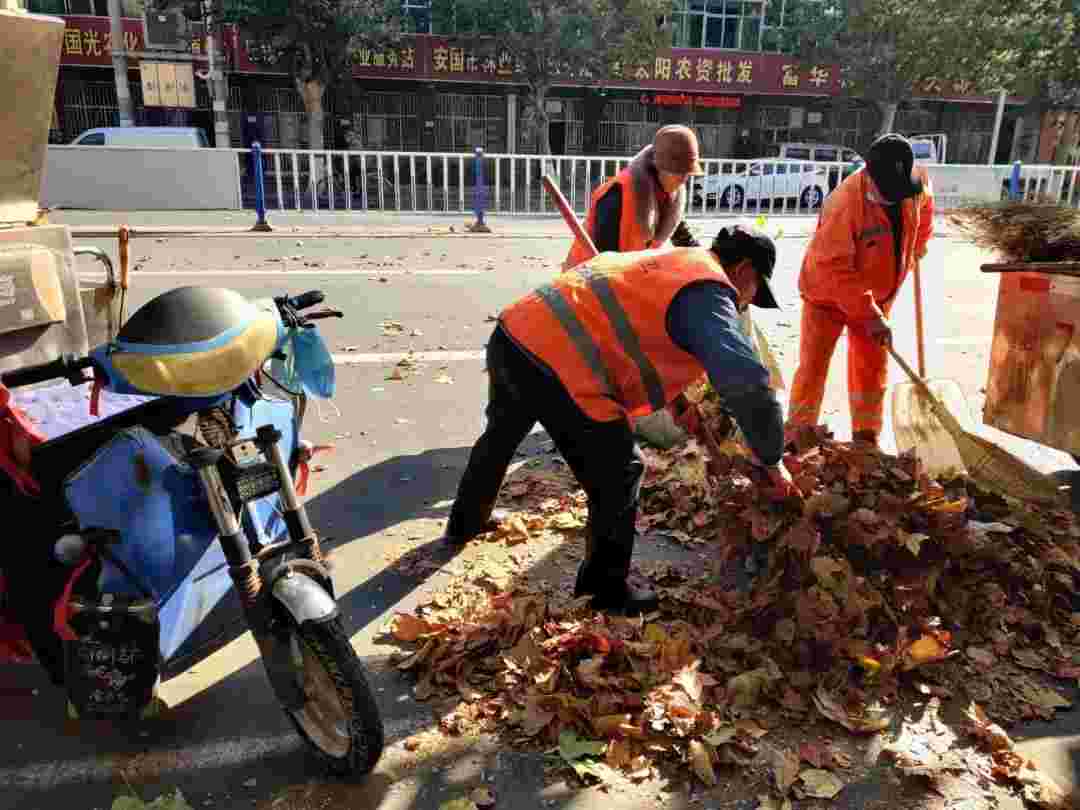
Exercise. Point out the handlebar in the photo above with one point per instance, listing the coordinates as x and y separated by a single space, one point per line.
66 366
306 300
324 313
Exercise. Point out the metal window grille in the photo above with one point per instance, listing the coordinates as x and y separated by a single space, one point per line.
628 126
387 121
775 124
970 141
716 130
463 122
287 123
572 114
849 127
915 120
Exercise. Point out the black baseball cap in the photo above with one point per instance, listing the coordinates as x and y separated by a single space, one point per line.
738 242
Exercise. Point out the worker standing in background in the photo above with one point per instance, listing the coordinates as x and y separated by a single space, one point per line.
618 337
872 230
642 207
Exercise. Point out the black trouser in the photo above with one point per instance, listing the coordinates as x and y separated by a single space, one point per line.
602 455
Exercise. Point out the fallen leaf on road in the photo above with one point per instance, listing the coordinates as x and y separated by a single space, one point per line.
409 628
445 379
721 736
573 747
701 762
785 768
820 784
163 802
871 719
772 803
458 804
391 328
746 689
483 797
813 753
927 649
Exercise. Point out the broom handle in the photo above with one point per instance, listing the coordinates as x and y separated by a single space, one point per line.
568 214
919 338
915 378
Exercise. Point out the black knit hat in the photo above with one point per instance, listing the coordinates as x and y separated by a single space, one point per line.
889 162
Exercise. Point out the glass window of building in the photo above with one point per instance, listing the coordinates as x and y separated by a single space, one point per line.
419 11
728 24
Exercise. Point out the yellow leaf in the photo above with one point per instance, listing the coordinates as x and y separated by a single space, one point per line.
913 542
655 634
458 804
820 784
701 762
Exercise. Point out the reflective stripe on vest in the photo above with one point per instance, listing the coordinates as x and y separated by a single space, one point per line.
624 332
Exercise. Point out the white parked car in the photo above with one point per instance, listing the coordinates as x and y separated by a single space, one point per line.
766 180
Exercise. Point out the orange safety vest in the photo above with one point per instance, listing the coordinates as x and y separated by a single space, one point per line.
633 233
602 329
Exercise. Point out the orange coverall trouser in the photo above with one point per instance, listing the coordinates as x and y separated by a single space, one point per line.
867 370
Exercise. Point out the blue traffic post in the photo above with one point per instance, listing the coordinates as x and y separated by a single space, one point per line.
479 193
1014 182
260 190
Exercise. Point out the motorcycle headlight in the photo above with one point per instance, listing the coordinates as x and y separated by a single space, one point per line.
70 548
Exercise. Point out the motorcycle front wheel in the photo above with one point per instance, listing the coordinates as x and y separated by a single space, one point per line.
339 720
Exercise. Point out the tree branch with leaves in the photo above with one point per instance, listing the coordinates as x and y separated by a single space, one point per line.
559 40
317 40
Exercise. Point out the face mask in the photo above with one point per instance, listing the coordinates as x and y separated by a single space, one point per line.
307 363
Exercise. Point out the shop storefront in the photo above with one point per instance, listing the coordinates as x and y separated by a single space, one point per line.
430 94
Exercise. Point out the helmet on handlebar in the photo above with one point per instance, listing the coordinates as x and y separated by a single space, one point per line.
191 342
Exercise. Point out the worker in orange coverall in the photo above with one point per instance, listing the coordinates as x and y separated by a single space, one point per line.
872 230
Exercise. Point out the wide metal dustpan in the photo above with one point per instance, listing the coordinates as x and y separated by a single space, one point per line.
916 425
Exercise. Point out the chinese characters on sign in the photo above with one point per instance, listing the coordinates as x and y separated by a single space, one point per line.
697 70
450 59
168 85
403 58
88 41
684 100
936 87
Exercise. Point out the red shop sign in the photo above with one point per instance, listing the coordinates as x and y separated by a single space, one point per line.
685 100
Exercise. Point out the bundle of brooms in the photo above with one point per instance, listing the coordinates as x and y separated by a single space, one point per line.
1022 230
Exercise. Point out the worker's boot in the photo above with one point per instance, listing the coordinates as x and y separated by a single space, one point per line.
605 572
865 437
458 535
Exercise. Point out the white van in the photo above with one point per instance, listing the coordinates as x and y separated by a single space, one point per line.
817 152
170 137
925 152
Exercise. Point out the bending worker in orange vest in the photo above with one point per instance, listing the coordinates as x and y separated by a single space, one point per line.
642 206
873 229
618 337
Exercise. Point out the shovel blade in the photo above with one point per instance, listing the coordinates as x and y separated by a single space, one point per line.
916 427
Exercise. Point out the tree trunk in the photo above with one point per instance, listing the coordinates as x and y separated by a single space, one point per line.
541 122
311 91
888 116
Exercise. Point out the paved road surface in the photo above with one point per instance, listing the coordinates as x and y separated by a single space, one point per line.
401 446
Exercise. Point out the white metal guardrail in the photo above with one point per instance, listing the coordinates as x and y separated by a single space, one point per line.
508 184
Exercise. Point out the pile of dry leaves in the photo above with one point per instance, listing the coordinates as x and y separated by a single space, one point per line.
876 590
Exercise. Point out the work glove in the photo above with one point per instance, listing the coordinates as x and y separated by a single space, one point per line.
777 481
686 415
